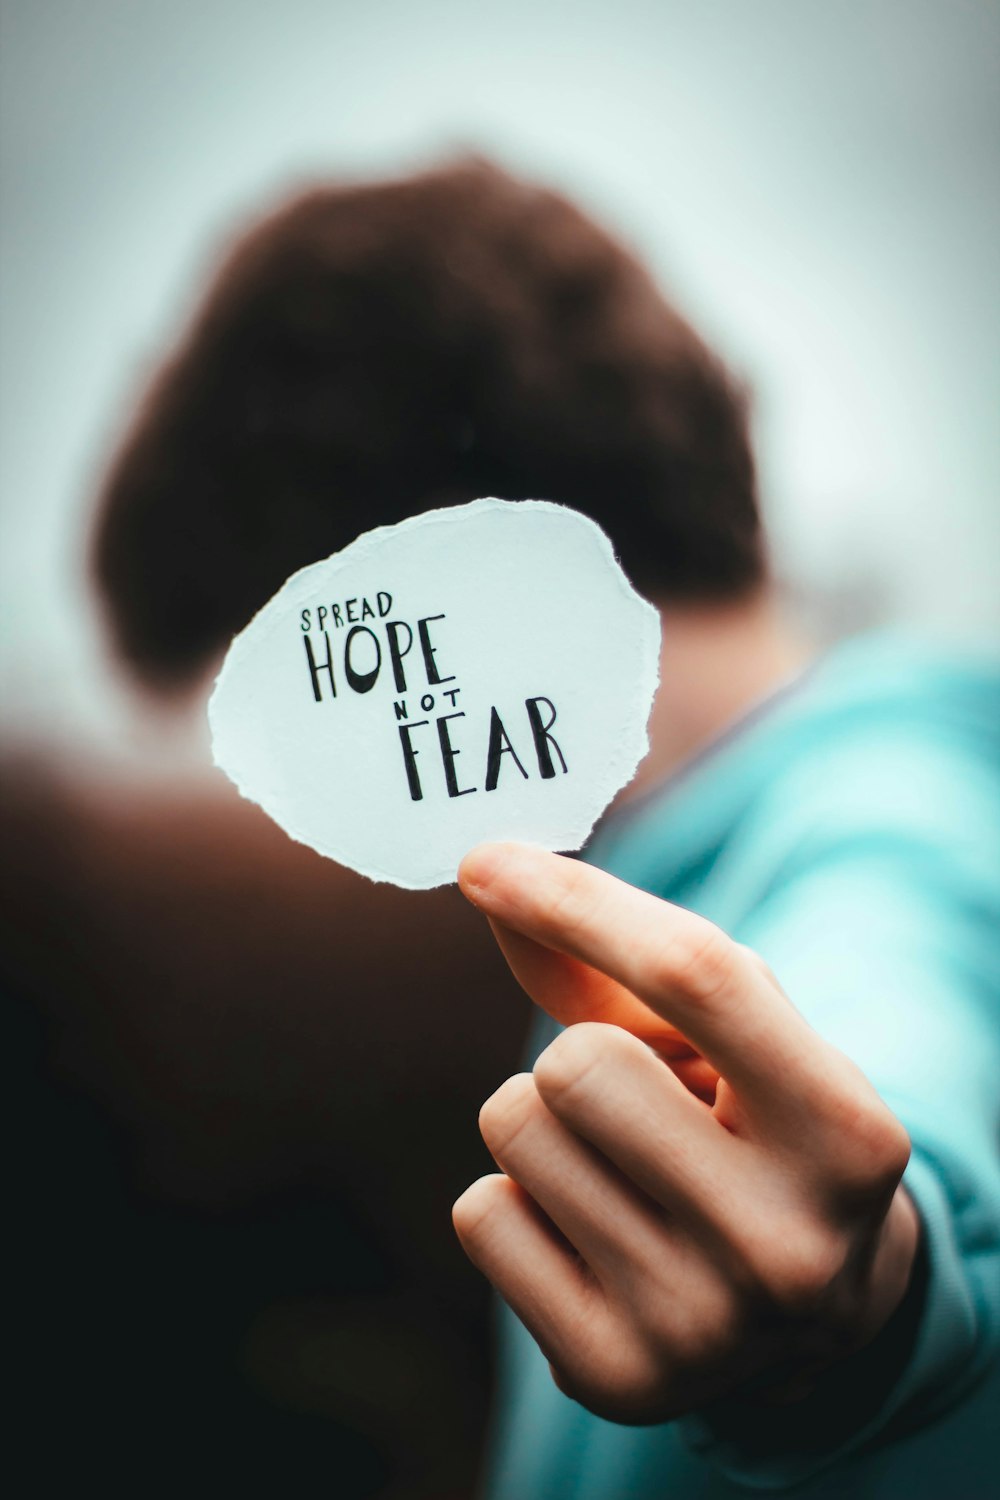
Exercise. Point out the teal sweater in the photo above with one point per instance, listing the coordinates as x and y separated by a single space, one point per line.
849 830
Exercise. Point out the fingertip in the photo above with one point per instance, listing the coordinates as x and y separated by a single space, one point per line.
480 873
476 870
473 1207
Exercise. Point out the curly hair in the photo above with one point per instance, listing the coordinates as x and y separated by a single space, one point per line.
367 352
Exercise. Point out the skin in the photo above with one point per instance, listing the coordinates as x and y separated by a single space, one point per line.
697 1193
717 661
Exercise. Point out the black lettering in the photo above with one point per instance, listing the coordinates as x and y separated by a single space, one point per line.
307 619
388 603
361 682
410 757
401 709
499 745
336 615
433 675
392 629
349 606
542 737
448 753
320 616
367 613
451 694
315 670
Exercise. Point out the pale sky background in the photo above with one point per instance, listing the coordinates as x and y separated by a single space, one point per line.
815 182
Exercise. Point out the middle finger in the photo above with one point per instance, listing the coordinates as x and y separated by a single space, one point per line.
605 1219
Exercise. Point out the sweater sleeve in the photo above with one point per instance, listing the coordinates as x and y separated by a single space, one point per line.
880 921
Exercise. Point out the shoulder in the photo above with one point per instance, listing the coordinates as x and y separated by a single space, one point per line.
888 747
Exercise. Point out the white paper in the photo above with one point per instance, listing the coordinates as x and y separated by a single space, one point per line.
359 708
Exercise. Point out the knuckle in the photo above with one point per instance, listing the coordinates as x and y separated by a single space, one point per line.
622 1382
873 1146
699 961
799 1284
692 1332
795 1270
882 1145
678 1333
895 1148
709 1335
567 1063
570 909
507 1111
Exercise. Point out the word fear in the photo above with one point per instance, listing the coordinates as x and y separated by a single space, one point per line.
541 716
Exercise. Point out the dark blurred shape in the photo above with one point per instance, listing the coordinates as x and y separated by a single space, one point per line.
228 1194
370 352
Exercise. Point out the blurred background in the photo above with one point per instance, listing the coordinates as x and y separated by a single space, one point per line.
816 186
815 183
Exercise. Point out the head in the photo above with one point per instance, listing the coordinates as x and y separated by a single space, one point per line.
365 353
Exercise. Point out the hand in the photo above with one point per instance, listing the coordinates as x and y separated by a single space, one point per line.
697 1190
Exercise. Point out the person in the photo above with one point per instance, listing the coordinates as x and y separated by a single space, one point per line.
748 1207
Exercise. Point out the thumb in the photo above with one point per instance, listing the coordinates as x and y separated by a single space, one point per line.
572 991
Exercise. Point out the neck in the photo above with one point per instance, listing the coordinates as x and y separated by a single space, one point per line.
716 662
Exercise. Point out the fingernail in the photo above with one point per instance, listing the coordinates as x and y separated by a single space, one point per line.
488 873
478 870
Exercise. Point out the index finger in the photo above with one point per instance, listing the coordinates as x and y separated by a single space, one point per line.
677 963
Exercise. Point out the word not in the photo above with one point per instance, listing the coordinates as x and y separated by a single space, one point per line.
500 744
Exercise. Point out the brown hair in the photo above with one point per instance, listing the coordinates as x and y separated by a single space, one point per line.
369 352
